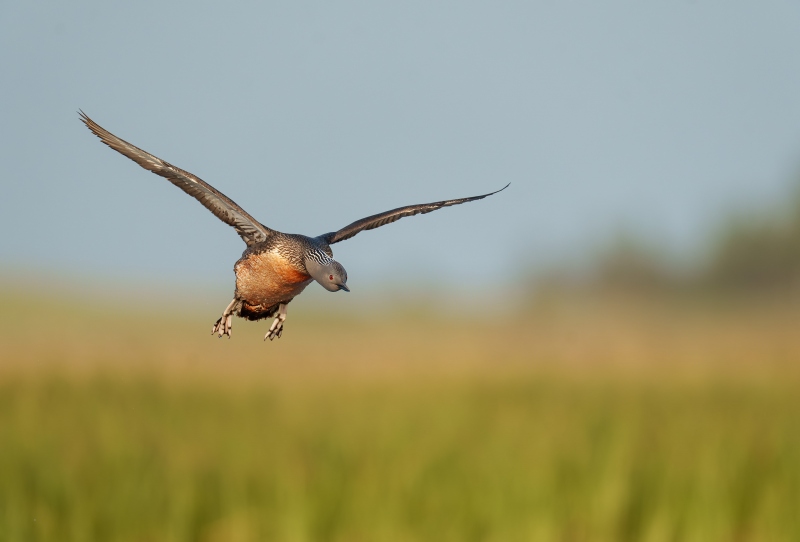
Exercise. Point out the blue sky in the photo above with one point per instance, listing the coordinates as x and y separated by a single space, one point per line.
656 117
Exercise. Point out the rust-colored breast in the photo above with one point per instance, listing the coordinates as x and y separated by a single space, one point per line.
268 278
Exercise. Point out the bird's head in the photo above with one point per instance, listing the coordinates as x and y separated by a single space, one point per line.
327 271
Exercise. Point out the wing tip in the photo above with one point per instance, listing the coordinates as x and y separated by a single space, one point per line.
495 192
89 123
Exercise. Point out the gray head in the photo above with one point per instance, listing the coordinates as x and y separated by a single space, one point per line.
327 271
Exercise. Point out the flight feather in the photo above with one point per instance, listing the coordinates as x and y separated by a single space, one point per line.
249 229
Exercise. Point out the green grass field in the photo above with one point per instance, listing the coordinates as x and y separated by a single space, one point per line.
603 423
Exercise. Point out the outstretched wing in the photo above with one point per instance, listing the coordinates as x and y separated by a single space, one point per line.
376 221
224 208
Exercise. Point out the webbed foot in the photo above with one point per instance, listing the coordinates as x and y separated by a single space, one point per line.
223 326
276 329
225 323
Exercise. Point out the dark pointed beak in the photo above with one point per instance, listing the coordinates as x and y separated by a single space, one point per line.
344 287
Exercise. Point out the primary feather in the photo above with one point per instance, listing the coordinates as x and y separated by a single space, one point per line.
249 229
381 219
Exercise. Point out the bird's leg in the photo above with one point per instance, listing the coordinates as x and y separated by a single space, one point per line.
276 329
223 325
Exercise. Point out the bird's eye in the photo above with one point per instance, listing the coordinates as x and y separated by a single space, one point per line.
330 277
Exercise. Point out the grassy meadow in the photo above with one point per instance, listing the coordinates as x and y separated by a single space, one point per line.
598 421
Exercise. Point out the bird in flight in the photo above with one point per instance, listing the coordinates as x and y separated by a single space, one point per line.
275 267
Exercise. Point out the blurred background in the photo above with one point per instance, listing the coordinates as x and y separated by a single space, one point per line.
605 351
